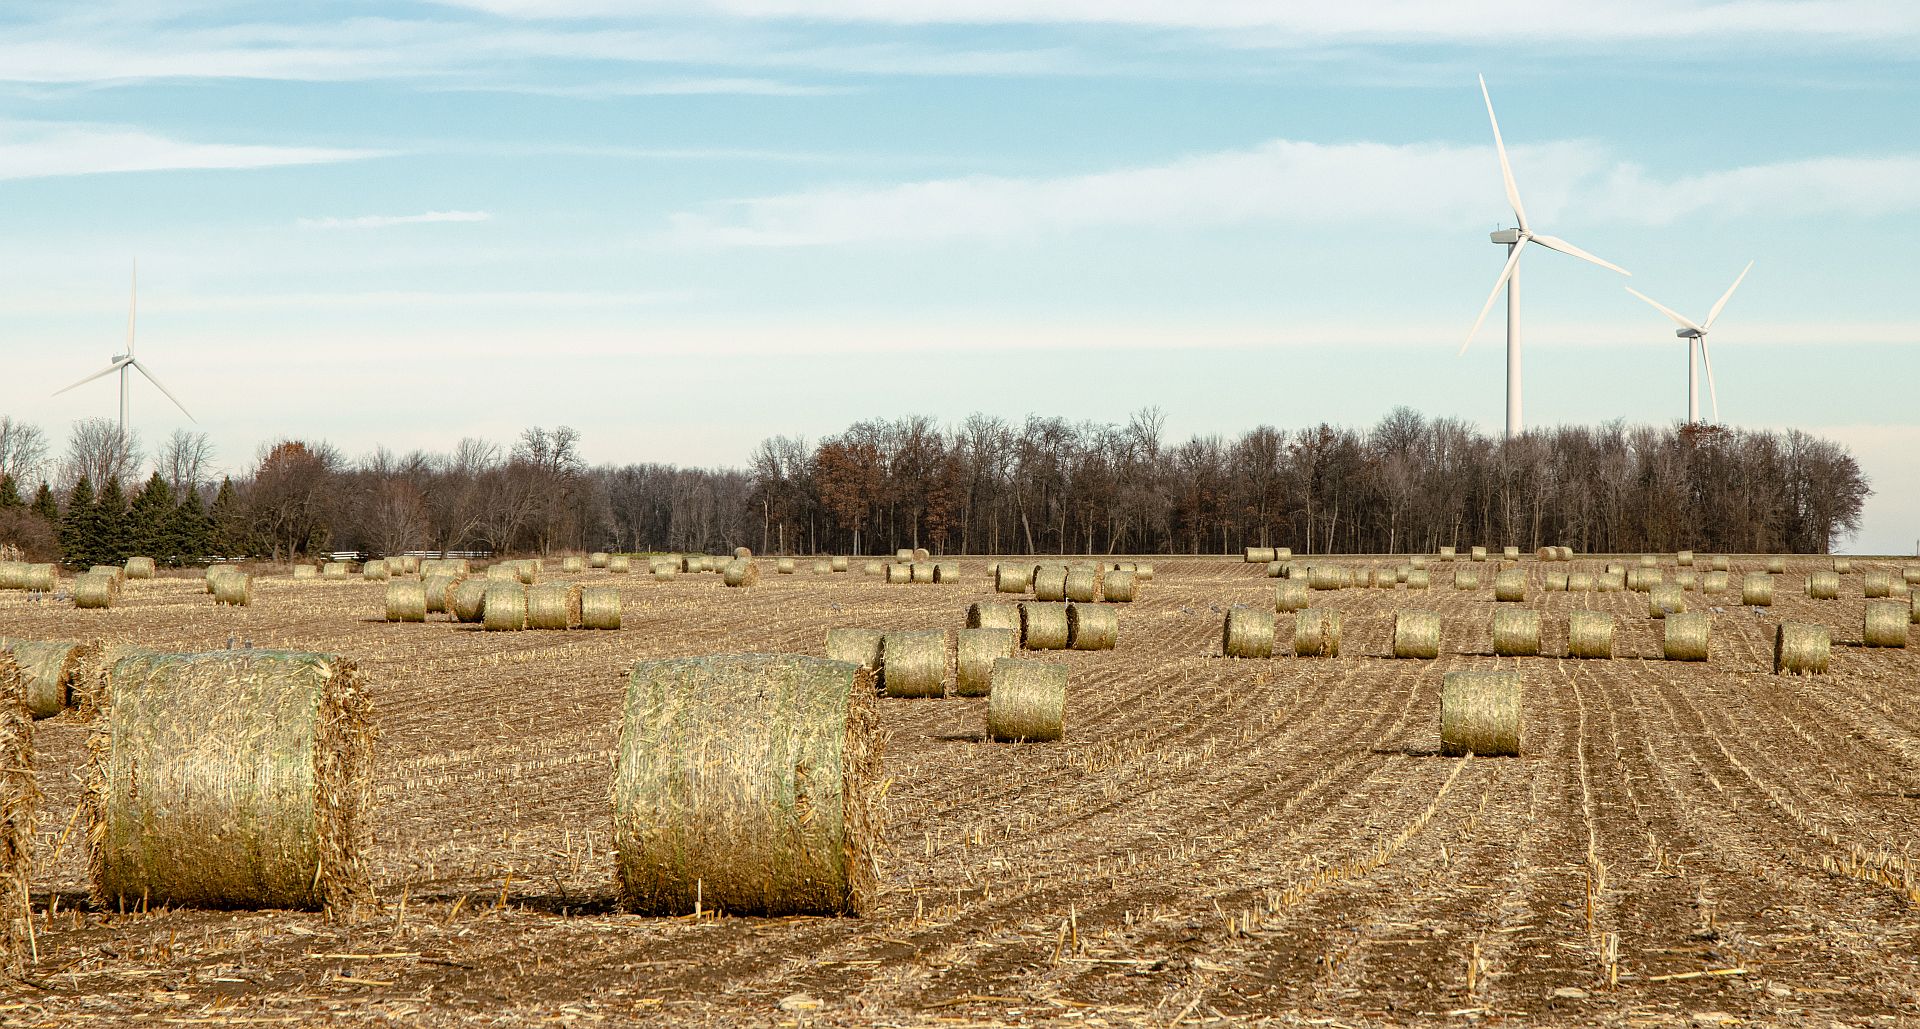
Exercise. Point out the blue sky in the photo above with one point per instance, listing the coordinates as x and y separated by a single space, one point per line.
684 226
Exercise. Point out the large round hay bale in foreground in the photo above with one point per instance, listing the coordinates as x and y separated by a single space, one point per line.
1118 588
236 779
553 605
406 600
139 568
1091 627
467 599
1686 636
600 608
1756 590
1416 634
234 588
1248 632
1010 578
975 651
741 572
1480 714
993 614
1516 632
94 591
1027 701
1050 583
1290 595
1043 626
1590 634
1800 648
1885 623
49 671
1823 585
914 664
1666 599
855 646
19 796
747 784
1510 586
1316 633
505 607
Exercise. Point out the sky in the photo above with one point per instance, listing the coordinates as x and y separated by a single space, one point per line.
682 226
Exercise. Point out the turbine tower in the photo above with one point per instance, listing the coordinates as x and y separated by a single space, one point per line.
1515 240
123 362
1696 336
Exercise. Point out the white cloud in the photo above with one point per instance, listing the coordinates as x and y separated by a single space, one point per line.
381 221
44 149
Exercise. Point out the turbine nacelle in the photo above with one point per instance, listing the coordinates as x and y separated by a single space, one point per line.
1689 333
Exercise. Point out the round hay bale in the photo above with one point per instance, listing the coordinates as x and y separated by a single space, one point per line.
439 592
49 672
1402 572
1480 714
1842 566
904 555
13 575
619 564
1325 577
1718 563
914 664
41 578
305 572
1516 632
838 563
855 646
1361 577
1911 574
1647 561
1885 623
1082 585
504 571
1554 582
874 568
741 572
747 784
235 779
1800 648
1043 626
1685 635
742 554
785 566
922 554
375 570
599 559
1446 554
823 567
1478 553
19 796
1546 554
1684 558
235 588
1091 627
994 614
1248 632
553 605
139 568
1776 566
665 573
1418 560
1510 586
1687 581
1260 555
406 600
1290 595
1466 579
94 591
1579 582
1713 582
975 651
1665 599
1590 634
1143 572
1611 582
1050 583
527 571
1616 568
1316 633
899 573
1416 634
114 572
921 571
599 607
946 571
1823 585
467 601
1118 587
1643 580
1027 701
1013 579
505 607
1419 579
1756 590
1876 582
1510 553
1276 569
574 565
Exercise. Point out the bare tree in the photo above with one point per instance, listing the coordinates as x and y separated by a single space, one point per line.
98 450
184 460
23 450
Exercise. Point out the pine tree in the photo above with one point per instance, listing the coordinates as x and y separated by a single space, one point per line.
115 546
44 506
189 530
147 519
232 537
79 525
9 493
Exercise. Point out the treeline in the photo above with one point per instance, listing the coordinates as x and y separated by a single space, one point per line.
986 485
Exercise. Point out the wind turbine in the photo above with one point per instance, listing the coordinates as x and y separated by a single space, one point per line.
1696 337
1515 240
123 362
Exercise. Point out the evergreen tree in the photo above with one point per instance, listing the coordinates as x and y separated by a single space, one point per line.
232 536
44 506
147 520
115 545
79 526
189 530
9 493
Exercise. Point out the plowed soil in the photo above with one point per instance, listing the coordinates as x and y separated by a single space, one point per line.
1216 842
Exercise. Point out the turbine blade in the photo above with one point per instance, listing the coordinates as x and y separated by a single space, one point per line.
1715 313
133 303
108 370
1668 311
142 369
1506 168
1707 356
1505 274
1556 243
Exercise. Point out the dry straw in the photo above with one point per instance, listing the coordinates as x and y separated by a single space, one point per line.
1466 579
503 572
1480 714
742 553
1510 553
897 572
874 568
1119 587
376 569
1050 583
993 614
1091 627
1416 634
1911 575
1554 582
1446 553
1419 579
946 571
140 568
1547 554
553 605
1260 555
1290 595
467 601
1590 634
1687 581
1325 577
1777 565
1144 572
1876 582
1248 632
19 796
599 559
785 566
52 672
1316 633
740 572
747 784
1027 702
13 575
1008 578
235 588
1418 560
1579 582
505 607
904 555
1614 567
665 572
1842 566
1610 582
304 571
439 591
600 608
855 646
1043 626
914 664
837 563
236 779
1665 599
95 591
1510 586
922 571
1756 590
1823 585
975 651
619 564
406 600
528 571
1361 577
1713 582
1478 553
1647 561
1684 558
1718 563
575 565
1516 632
1885 623
922 554
1685 636
1643 580
41 578
1277 569
1800 648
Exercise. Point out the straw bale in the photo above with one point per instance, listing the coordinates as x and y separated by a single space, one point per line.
619 564
1416 634
1756 590
1719 563
742 554
1480 714
599 607
1478 553
785 566
665 572
1118 587
1713 582
406 600
574 565
1823 585
1008 578
528 571
1049 583
922 554
553 605
1610 582
1647 561
1248 632
235 588
1776 565
504 571
505 607
1316 632
94 591
946 571
1418 560
52 672
1325 577
741 572
1516 632
994 614
904 555
855 646
1091 627
467 600
1546 554
1665 599
1687 581
921 571
375 569
305 571
1911 575
1510 553
1642 580
1684 558
1446 554
1419 579
1885 623
1290 595
1685 636
439 591
1466 579
599 559
975 651
914 664
874 568
823 567
1876 582
41 578
1579 582
1510 586
838 562
1277 569
1260 555
1043 626
1801 648
139 568
1027 701
1553 582
1842 566
1144 572
1590 634
19 797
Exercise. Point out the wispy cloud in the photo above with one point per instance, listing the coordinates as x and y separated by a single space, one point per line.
675 87
381 221
43 149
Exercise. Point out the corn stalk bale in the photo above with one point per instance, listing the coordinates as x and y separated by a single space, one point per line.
665 573
1416 634
1801 648
94 591
1009 578
1260 555
1842 566
914 664
1119 587
1685 636
1325 577
837 563
1480 714
1419 579
1713 582
874 568
897 572
742 553
1510 553
1756 590
1510 586
1143 571
1092 627
1911 574
1516 632
747 784
505 607
1446 553
1247 632
234 588
1684 558
1478 553
1316 632
1642 580
236 779
904 555
785 566
921 571
139 568
823 567
1579 582
1876 583
1777 565
1027 701
855 646
19 796
1547 554
439 592
619 564
1554 582
1043 626
599 607
994 614
1687 581
1290 595
553 605
741 572
946 571
1665 599
374 570
1276 569
1590 634
573 565
1885 623
406 600
1823 585
467 601
1050 583
50 672
1611 582
527 571
1466 579
975 651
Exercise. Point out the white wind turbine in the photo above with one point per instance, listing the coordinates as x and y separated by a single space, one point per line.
1696 337
123 362
1515 241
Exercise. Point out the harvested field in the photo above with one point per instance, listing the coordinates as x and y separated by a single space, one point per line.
1213 841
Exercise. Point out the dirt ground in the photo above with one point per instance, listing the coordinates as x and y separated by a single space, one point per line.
1216 842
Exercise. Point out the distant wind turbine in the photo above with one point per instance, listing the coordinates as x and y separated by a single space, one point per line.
123 362
1515 241
1696 337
